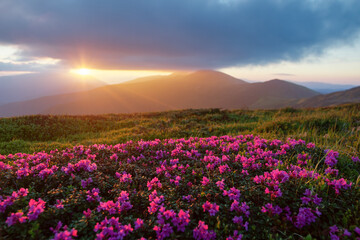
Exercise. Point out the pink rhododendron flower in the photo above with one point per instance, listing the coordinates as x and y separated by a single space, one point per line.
355 159
224 168
305 217
357 231
35 208
181 220
112 229
221 184
212 208
59 204
240 221
205 181
155 182
85 165
87 213
233 193
9 200
124 177
85 183
93 195
164 231
138 223
331 157
64 235
202 232
16 218
339 184
243 208
236 236
114 157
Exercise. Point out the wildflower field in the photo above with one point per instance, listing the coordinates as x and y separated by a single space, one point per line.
230 186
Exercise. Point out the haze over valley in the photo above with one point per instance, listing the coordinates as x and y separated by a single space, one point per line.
199 89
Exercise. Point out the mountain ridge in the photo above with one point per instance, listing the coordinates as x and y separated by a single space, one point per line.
199 89
342 97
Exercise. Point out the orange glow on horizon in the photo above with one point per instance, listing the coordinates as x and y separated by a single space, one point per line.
115 76
82 71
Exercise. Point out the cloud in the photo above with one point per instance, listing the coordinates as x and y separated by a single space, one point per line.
169 34
284 74
30 65
11 67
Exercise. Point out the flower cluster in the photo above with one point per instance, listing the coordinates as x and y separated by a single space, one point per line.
270 209
310 197
272 180
331 157
93 195
16 218
243 208
155 202
155 182
303 159
305 217
205 181
65 234
123 204
233 193
212 208
9 200
228 187
112 229
339 184
336 234
85 183
124 177
82 165
35 208
202 232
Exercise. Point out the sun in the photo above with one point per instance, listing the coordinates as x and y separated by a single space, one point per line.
82 71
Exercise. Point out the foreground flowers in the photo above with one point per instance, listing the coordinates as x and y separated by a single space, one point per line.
241 187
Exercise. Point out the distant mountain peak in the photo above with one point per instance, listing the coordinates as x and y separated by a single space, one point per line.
276 80
209 73
212 76
336 98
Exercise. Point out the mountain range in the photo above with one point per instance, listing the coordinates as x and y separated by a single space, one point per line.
200 89
332 99
325 88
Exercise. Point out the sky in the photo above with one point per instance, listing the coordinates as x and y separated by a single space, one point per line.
116 40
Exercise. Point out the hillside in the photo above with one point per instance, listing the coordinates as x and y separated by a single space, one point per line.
201 89
323 126
331 99
29 86
325 88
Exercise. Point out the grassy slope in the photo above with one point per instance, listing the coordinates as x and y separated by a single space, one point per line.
336 127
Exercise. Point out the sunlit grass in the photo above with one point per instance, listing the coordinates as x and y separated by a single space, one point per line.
336 128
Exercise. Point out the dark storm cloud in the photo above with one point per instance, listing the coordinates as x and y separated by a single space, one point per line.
171 34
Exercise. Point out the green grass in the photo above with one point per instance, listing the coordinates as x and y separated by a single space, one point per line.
335 127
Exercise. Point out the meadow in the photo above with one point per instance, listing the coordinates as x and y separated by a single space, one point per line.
189 174
333 127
